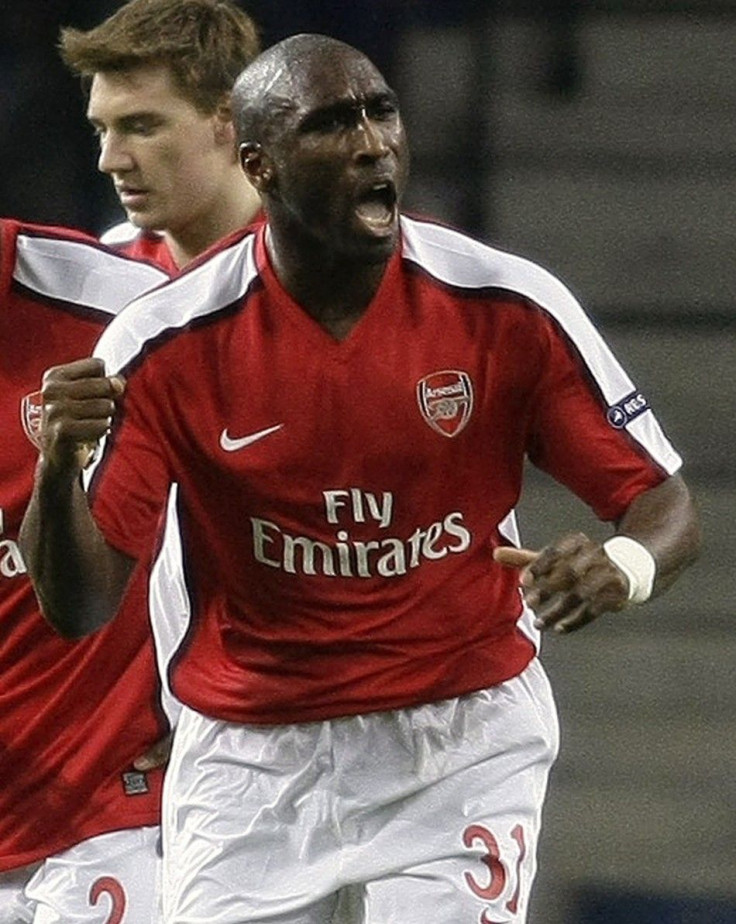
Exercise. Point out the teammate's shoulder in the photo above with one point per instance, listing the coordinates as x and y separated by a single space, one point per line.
70 267
205 291
13 228
142 244
470 266
124 232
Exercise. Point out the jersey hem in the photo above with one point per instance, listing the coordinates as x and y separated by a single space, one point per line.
19 860
518 665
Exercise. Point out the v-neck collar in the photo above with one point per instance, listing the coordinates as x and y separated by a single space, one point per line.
366 327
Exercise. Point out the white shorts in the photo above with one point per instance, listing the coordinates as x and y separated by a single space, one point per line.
110 879
430 813
15 908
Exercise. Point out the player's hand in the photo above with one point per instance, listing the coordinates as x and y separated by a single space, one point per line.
156 756
78 405
569 583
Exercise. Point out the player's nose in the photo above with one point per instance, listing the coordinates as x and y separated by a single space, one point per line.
371 138
113 157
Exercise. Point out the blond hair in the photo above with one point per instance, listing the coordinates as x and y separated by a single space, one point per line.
204 43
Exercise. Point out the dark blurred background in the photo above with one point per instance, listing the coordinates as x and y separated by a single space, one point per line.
599 139
47 152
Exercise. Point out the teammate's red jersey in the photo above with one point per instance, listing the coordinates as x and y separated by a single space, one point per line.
148 246
340 500
73 715
151 246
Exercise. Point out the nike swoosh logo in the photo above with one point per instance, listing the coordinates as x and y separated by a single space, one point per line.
232 445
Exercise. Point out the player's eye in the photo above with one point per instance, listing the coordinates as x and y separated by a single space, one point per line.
142 127
383 109
325 122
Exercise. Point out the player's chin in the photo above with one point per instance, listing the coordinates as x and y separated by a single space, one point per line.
146 219
144 223
371 246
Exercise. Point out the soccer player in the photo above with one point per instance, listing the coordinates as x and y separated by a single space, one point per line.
345 397
73 808
159 74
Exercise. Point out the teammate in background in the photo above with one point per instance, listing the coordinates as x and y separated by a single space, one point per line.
159 74
74 810
346 402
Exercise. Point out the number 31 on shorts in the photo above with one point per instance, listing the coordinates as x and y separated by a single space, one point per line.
499 874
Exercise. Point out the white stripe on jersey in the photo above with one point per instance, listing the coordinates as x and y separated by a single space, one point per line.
169 606
509 529
81 273
123 233
215 284
459 261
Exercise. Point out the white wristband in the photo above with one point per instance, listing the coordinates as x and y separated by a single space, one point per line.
636 562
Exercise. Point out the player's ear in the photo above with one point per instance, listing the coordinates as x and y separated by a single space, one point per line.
223 127
257 167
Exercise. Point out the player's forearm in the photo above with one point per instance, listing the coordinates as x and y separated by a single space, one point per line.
665 521
78 578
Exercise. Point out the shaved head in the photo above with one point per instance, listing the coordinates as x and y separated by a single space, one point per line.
272 86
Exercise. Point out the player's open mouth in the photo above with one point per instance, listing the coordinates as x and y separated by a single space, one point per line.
377 206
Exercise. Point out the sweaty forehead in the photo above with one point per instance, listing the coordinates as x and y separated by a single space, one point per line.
315 81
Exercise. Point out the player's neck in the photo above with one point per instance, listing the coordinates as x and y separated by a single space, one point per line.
235 211
336 294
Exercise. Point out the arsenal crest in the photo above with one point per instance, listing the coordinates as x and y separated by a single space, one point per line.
446 400
31 415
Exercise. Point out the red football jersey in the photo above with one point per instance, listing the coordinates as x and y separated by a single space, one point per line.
73 715
148 246
151 246
340 501
167 598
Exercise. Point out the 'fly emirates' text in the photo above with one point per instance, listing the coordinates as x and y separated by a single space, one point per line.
387 557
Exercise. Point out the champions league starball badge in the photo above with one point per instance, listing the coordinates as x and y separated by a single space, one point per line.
620 415
446 400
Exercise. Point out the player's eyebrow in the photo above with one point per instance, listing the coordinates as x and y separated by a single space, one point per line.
345 111
129 120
